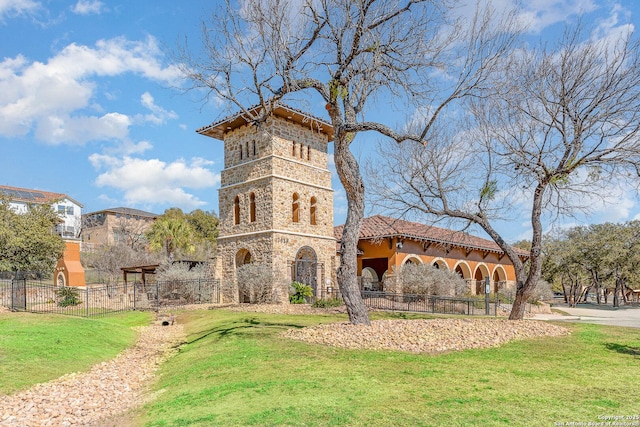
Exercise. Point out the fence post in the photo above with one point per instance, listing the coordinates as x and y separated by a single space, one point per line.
86 289
157 296
134 297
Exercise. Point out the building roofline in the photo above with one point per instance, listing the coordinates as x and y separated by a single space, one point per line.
218 129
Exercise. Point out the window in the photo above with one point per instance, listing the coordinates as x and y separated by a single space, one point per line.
69 210
295 208
247 145
293 149
61 210
252 207
236 210
301 151
254 147
240 151
309 153
312 211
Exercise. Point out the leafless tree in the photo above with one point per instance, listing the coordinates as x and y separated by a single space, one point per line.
351 57
563 123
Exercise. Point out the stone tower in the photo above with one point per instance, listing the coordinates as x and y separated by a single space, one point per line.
275 198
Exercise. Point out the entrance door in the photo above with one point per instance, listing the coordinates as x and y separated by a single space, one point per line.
307 267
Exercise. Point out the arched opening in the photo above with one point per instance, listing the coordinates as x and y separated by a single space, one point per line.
236 210
295 208
499 278
307 267
312 211
463 270
60 279
243 257
481 273
252 207
369 279
411 259
439 263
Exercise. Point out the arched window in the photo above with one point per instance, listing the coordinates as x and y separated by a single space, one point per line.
312 211
254 147
293 148
236 210
252 207
295 208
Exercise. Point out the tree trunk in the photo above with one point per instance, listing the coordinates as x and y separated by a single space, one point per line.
349 173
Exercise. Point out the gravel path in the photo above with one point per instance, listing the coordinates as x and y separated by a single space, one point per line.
108 389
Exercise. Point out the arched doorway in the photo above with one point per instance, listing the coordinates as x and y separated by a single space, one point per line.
369 279
481 273
307 267
243 257
499 278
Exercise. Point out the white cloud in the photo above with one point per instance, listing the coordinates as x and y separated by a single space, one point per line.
88 7
158 114
56 98
152 181
10 8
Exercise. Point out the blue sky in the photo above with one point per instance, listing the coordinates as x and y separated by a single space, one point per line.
90 105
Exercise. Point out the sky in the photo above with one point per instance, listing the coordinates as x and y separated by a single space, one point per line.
92 106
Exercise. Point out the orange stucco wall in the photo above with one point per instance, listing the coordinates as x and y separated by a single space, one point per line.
69 266
474 264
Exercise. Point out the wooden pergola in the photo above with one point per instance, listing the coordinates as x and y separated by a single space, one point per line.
139 269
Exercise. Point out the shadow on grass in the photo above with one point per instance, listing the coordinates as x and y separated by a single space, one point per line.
623 349
242 324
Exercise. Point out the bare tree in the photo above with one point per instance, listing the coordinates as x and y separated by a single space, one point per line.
562 125
356 56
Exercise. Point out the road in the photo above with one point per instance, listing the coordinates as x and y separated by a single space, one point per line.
592 313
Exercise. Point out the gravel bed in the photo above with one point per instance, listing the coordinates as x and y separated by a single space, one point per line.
108 389
425 336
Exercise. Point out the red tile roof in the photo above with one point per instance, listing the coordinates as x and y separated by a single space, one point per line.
379 227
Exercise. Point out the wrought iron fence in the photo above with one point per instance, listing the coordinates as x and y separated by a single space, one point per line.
37 296
421 303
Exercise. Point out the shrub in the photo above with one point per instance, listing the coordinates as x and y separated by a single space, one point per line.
257 284
328 303
300 293
424 279
67 296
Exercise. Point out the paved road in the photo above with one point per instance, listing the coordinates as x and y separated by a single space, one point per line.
593 313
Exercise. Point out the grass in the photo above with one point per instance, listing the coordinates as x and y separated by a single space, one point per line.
237 370
39 347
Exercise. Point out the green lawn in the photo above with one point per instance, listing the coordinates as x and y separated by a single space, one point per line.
237 370
39 347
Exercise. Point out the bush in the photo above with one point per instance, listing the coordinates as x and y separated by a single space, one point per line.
424 279
67 296
328 303
257 284
300 293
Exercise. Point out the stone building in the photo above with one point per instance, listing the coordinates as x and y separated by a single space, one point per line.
275 198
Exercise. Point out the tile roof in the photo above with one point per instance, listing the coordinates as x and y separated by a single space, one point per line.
379 226
233 121
26 195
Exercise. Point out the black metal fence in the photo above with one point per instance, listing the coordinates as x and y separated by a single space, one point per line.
25 293
421 303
